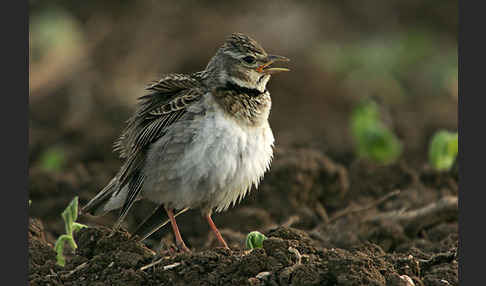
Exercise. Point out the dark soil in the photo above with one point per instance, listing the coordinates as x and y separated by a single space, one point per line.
326 223
289 257
330 218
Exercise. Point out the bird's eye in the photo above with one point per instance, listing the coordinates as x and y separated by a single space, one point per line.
249 59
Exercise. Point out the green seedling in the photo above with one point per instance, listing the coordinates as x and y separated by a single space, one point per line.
52 159
373 139
255 240
69 215
443 150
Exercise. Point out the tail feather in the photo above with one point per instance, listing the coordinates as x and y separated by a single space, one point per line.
153 222
98 204
127 197
112 198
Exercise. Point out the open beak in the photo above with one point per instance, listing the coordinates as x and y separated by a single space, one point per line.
266 69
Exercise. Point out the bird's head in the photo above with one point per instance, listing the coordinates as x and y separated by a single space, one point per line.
243 62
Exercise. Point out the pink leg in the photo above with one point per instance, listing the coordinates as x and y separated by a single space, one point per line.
180 243
216 231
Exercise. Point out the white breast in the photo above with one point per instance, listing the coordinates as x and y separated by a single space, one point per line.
226 159
244 156
216 168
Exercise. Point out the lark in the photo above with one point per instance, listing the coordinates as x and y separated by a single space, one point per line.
196 141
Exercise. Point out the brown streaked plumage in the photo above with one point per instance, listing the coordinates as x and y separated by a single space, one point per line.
199 140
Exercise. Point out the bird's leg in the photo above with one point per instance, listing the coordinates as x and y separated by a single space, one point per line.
180 243
216 231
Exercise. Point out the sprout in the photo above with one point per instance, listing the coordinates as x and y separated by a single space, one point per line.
255 240
443 150
52 159
373 139
69 215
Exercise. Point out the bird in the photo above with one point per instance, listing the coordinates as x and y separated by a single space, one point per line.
200 140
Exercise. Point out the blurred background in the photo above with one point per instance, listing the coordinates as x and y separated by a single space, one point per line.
90 61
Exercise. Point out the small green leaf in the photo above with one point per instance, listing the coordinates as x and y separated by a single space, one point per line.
73 209
67 222
255 240
69 215
443 150
78 226
52 159
373 139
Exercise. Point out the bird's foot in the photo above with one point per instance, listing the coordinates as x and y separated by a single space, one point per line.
183 248
172 249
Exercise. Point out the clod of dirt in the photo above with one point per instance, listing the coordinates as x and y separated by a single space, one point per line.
304 183
349 234
42 257
380 178
441 180
288 257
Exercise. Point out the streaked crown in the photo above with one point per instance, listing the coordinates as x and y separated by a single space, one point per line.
244 45
243 62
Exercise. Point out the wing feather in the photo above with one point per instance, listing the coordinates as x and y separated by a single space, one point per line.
157 111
